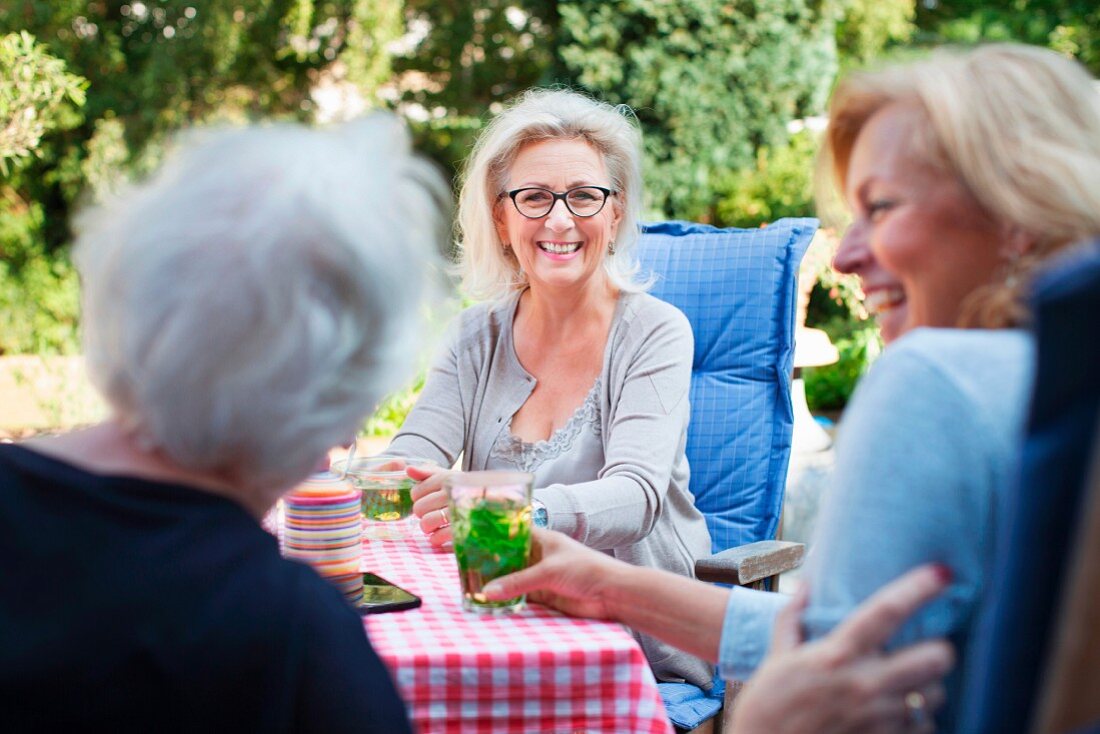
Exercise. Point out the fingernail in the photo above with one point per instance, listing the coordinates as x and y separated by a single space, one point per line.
944 572
491 588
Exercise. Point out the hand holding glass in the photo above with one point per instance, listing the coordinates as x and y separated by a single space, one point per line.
490 516
387 500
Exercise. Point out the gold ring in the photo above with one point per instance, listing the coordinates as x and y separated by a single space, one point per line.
916 708
443 514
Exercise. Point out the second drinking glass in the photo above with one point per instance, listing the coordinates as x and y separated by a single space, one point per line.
490 515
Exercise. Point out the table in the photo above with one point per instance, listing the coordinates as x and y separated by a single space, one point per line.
536 671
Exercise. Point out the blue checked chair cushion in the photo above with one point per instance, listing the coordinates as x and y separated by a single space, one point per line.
738 288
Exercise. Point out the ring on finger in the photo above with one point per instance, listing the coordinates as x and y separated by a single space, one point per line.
444 518
916 708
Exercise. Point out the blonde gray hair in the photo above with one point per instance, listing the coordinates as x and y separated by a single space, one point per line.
244 308
537 115
1018 125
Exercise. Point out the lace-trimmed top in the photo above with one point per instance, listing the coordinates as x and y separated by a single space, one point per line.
513 450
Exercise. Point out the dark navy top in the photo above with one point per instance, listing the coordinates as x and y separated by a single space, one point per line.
127 604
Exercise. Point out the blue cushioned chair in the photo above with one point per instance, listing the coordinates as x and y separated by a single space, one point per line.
738 288
1021 619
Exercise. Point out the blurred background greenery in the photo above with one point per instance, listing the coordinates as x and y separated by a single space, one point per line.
90 93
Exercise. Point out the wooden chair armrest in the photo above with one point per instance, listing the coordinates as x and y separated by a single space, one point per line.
747 564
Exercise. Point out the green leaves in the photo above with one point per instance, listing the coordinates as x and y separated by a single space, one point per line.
38 289
37 95
390 414
711 82
491 539
90 92
1071 27
778 184
459 60
869 26
385 501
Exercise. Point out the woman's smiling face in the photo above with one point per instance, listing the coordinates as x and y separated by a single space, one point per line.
559 250
919 240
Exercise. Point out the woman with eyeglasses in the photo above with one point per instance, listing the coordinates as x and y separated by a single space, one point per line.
567 369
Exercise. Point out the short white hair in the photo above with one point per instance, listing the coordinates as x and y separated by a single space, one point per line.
248 305
539 115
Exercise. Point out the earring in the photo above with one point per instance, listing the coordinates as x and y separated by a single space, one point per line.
611 247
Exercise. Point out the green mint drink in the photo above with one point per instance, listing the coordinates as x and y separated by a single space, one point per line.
386 500
492 538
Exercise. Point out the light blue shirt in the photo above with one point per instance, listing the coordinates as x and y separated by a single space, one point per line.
926 447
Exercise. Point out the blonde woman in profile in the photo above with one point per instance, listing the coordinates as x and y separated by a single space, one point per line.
963 174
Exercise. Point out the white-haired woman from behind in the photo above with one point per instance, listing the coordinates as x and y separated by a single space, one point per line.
242 313
568 369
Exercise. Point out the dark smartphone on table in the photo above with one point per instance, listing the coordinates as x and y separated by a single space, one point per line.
380 596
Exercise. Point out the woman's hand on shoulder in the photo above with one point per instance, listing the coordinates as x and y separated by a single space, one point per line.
845 682
430 503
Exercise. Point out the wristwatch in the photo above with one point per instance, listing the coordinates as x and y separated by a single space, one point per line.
539 515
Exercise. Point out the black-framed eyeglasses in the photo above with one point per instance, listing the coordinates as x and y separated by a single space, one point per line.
581 201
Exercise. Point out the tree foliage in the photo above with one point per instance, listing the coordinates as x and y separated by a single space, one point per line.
870 26
711 82
779 184
150 69
159 66
460 60
37 95
38 305
1071 27
155 67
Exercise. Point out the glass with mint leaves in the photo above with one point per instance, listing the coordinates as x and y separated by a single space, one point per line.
387 494
490 514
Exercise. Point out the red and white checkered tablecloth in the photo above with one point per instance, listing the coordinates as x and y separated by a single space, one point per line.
535 671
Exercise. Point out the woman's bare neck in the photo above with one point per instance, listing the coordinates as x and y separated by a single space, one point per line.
554 315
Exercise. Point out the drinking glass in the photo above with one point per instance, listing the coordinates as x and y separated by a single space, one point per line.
387 494
490 515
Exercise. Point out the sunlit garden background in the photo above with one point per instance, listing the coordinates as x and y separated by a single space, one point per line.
729 94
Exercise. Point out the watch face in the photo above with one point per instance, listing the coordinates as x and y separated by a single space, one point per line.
541 517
